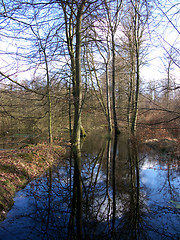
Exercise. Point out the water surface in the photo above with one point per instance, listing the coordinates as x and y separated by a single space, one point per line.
133 195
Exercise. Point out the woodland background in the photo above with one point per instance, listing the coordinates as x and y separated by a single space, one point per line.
92 64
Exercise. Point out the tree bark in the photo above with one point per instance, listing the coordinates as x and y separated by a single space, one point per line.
136 42
113 85
50 139
77 119
108 101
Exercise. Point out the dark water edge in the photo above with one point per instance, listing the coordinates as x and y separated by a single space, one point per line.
134 196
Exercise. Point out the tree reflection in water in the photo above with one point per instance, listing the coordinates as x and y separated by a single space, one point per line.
123 195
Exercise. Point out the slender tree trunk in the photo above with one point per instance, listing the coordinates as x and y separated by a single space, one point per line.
69 110
135 112
108 101
131 98
168 84
77 87
136 43
48 100
113 85
77 120
75 56
134 122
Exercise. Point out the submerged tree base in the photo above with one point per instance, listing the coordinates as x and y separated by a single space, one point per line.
20 166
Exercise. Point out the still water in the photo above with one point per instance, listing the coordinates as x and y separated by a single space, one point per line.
126 194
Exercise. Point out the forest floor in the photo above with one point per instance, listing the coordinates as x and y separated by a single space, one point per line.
20 166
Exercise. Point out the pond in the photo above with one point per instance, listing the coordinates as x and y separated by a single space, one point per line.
126 194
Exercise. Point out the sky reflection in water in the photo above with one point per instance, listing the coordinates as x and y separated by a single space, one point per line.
146 203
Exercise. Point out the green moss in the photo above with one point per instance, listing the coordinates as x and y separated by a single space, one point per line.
108 136
8 168
22 177
28 157
2 192
13 169
9 185
4 168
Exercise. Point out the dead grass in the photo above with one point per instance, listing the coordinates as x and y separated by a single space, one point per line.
20 166
156 124
161 131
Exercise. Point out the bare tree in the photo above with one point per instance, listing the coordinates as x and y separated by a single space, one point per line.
32 27
113 21
134 31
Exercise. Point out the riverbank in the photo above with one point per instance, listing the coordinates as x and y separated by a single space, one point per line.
168 145
20 166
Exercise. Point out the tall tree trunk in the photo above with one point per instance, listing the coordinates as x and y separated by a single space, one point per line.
75 57
48 100
77 119
108 101
77 87
168 83
113 23
69 110
131 89
136 103
113 84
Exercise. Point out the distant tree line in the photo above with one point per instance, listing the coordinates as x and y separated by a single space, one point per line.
69 65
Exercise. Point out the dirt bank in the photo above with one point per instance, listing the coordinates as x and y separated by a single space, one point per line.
169 145
20 166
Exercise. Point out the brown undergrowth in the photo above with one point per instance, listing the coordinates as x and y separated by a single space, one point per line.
20 166
158 130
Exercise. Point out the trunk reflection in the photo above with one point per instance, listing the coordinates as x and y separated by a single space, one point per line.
106 190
